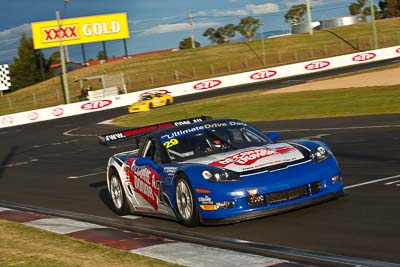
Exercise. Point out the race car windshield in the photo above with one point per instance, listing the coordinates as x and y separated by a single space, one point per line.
212 141
146 97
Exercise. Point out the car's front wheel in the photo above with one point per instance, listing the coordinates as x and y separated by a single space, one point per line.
187 209
120 204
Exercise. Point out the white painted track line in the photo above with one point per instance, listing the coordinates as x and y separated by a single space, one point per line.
372 182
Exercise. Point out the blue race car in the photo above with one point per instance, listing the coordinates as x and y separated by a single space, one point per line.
204 171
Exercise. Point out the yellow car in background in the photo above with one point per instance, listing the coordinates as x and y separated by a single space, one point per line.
151 100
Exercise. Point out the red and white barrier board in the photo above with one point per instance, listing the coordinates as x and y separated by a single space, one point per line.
202 86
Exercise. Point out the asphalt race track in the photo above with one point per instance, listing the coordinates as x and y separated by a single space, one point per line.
59 165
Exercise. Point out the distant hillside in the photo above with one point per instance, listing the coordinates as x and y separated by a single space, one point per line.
172 67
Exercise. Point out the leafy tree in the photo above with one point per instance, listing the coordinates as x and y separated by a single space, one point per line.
296 14
248 27
55 58
26 68
359 8
187 43
369 13
390 8
224 34
210 34
101 55
221 35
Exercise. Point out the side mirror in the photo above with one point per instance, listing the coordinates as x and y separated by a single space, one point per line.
145 162
273 135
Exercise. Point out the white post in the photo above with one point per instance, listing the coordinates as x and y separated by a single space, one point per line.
373 24
191 29
310 28
262 43
63 66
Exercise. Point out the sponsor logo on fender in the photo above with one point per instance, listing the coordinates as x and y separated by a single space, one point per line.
98 104
57 112
146 183
207 84
364 57
398 50
251 156
317 65
264 74
33 116
7 120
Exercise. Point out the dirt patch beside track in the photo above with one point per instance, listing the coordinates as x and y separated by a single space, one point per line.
387 77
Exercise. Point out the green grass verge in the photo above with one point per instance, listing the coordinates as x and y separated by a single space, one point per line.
261 106
21 245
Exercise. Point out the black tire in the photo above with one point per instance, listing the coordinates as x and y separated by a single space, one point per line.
186 205
117 194
150 105
168 102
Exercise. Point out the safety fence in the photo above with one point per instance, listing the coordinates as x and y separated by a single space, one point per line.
199 86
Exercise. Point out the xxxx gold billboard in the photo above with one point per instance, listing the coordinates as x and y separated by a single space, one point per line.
80 30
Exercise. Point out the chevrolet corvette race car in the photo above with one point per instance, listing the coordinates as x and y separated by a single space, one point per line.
204 171
151 100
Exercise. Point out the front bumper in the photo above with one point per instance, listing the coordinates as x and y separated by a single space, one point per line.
268 212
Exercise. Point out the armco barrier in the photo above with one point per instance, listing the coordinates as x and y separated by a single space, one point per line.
201 86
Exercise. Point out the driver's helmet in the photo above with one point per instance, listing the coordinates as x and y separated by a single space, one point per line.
216 143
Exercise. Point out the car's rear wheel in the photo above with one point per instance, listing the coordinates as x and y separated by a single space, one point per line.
150 105
187 209
119 201
168 102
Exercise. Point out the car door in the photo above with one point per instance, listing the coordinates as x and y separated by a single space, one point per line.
146 180
156 101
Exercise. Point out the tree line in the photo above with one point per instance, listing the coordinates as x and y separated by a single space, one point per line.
387 9
248 26
31 66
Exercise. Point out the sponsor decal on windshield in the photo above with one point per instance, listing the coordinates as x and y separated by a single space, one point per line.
175 134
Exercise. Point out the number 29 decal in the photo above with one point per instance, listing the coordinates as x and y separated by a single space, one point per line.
171 143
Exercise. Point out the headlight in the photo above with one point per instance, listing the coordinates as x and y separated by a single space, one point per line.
220 175
319 154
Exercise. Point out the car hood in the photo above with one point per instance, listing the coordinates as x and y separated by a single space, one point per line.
139 103
254 158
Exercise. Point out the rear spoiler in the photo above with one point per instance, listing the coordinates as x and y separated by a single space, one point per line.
128 134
